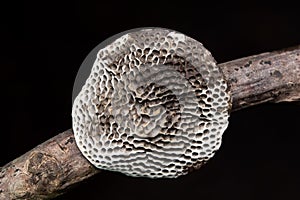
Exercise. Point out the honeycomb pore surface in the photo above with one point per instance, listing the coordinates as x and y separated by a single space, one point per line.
155 105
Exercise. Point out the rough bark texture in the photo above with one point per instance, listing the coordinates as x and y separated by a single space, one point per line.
54 166
265 77
46 171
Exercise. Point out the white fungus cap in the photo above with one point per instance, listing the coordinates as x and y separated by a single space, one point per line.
154 105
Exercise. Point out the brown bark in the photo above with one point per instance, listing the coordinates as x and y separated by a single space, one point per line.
267 77
46 171
53 167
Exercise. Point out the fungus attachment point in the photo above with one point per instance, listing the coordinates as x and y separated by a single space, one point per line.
154 105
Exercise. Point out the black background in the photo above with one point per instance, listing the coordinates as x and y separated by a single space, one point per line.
43 45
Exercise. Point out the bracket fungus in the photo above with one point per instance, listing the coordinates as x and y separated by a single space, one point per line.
154 105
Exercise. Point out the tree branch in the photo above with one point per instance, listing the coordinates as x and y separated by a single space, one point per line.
267 77
51 168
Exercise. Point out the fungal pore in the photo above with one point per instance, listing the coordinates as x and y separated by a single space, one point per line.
154 105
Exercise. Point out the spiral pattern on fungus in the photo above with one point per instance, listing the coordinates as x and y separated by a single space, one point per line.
155 105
